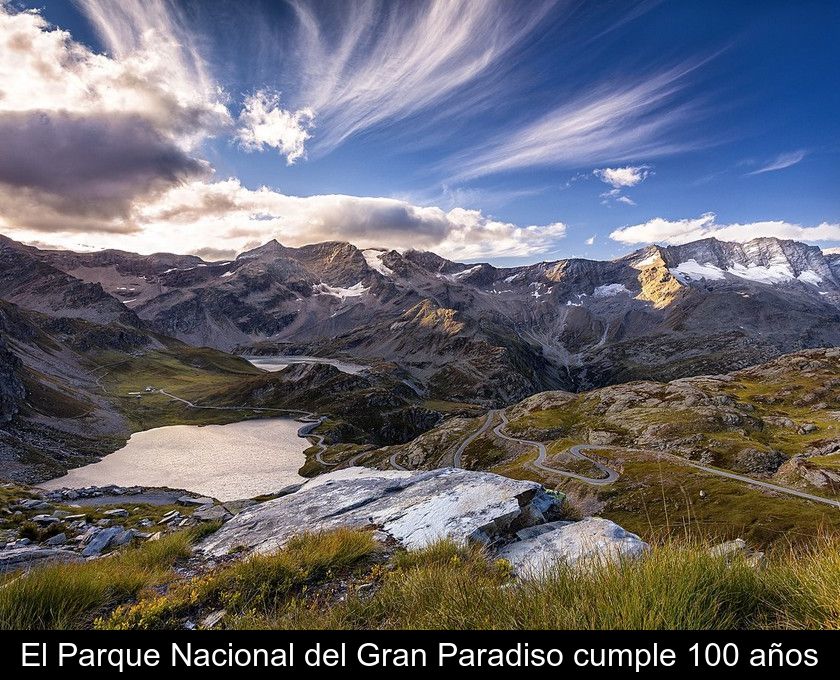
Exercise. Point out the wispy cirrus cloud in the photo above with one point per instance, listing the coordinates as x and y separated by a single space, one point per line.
782 161
369 63
159 55
613 121
108 145
660 230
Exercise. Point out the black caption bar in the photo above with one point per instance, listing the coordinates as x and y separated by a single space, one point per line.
585 652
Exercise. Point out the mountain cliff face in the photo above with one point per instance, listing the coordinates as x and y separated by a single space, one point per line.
470 332
29 280
12 391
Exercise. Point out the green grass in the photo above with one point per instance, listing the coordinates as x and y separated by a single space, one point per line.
343 580
831 462
251 586
452 407
191 373
45 396
662 498
69 596
677 586
484 452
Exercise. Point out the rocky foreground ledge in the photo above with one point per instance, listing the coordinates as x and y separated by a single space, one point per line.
517 520
73 525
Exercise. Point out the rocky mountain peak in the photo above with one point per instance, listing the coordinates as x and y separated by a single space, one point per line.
271 248
431 262
765 260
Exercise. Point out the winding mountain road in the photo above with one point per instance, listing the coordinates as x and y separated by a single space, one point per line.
612 475
394 464
542 453
750 480
305 432
459 452
575 451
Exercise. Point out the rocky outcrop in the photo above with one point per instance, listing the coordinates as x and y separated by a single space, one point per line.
753 460
25 557
731 550
798 471
413 508
593 540
516 520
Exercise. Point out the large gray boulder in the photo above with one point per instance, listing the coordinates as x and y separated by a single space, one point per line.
576 544
34 556
415 508
100 541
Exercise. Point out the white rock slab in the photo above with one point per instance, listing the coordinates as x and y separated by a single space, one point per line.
415 508
589 541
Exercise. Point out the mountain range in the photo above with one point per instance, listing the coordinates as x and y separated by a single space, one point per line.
80 331
470 332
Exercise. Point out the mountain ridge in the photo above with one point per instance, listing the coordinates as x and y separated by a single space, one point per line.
479 332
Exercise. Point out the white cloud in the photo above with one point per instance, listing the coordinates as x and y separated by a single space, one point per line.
590 241
660 230
782 161
112 136
628 176
264 123
831 251
609 122
225 215
615 195
83 135
153 69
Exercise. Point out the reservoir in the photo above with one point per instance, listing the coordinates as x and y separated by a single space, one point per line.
280 361
226 462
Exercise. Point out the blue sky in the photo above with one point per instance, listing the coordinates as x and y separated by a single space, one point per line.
505 131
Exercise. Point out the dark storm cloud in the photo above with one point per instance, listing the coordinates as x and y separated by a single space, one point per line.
91 167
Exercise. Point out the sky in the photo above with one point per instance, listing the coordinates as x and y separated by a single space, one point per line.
479 129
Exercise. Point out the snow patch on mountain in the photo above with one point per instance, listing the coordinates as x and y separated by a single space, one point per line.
811 277
611 289
774 273
374 261
649 260
691 269
356 290
540 290
770 273
466 272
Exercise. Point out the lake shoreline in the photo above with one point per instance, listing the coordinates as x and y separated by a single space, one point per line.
228 462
